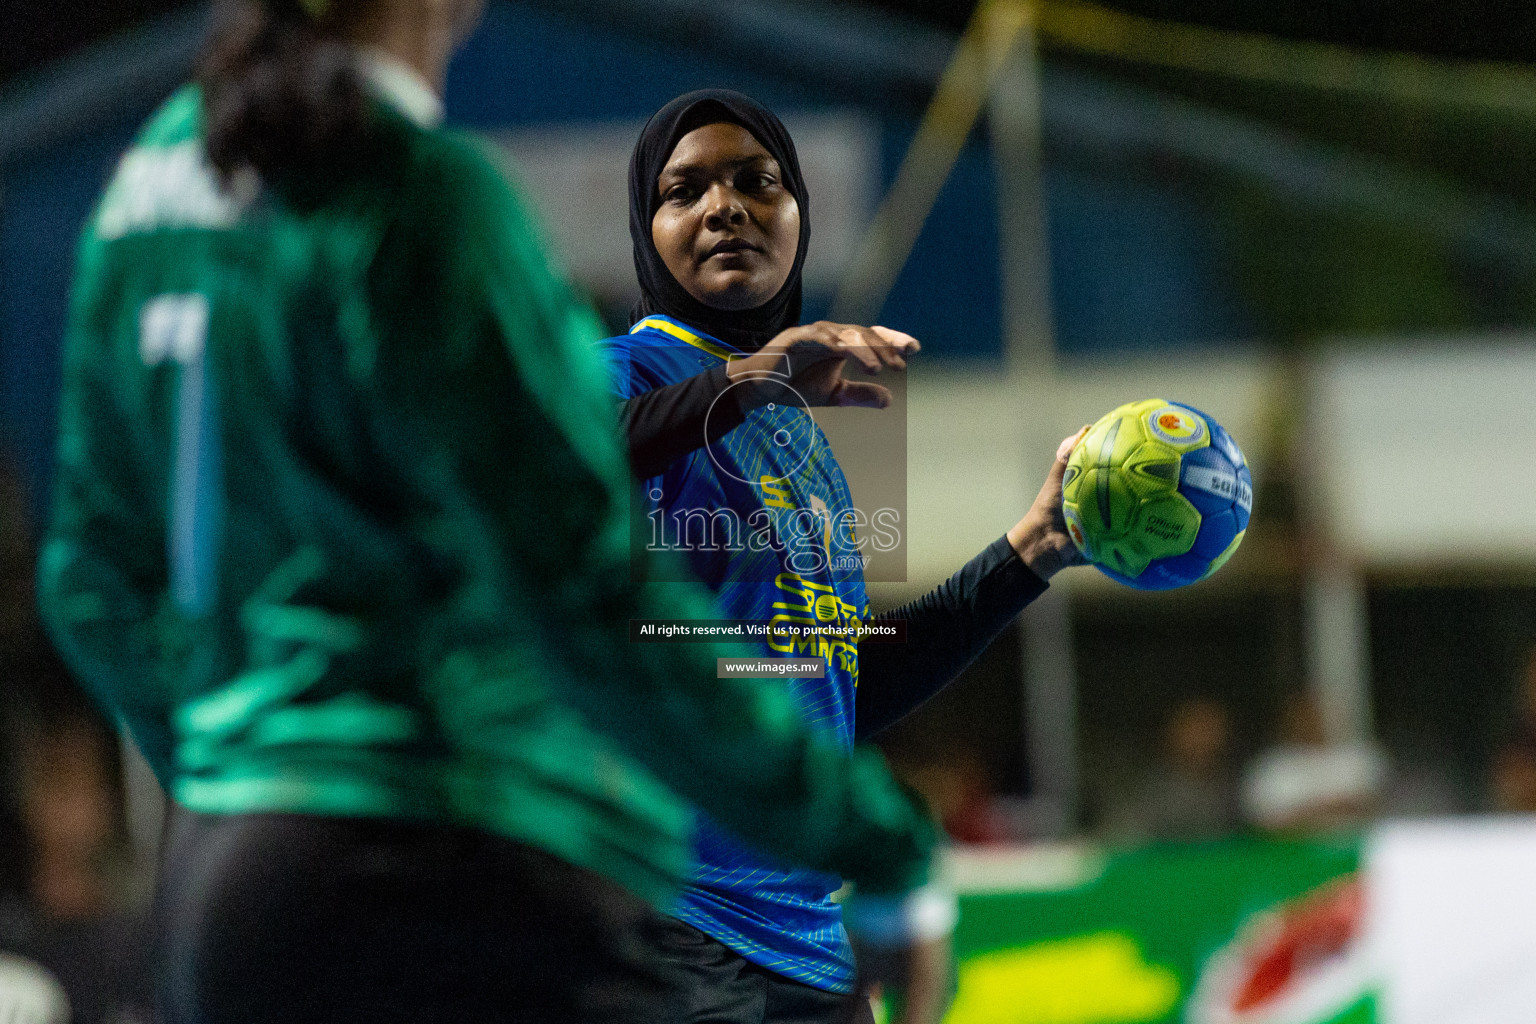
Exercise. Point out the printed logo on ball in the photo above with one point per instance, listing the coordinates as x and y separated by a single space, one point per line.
1177 426
1215 481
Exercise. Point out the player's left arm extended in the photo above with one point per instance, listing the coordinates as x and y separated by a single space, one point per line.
950 626
946 629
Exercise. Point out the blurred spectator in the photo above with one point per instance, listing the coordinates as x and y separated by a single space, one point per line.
958 787
1514 776
1525 701
70 950
71 922
1308 784
1190 793
67 812
1513 772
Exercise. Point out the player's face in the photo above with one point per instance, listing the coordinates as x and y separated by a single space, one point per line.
727 228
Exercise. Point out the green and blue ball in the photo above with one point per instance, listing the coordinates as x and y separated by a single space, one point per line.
1157 495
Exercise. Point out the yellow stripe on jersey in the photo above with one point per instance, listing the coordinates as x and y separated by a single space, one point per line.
668 327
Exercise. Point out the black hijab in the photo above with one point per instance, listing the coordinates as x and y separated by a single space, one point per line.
659 291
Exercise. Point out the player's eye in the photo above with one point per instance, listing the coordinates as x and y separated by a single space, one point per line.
680 194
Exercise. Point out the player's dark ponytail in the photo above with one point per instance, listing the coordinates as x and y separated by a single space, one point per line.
280 89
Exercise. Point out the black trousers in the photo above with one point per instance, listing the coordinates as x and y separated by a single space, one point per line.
721 987
293 919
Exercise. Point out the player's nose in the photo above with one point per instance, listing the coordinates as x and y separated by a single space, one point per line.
723 205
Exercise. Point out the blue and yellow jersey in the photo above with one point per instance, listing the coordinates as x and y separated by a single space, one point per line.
763 517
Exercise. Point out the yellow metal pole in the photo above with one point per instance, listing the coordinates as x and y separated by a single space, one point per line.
963 90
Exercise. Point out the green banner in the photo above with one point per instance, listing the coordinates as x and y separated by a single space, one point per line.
1231 933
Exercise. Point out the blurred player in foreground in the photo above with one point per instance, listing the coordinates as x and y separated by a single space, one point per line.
341 534
716 375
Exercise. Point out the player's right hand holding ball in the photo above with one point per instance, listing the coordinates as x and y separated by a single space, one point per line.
1041 537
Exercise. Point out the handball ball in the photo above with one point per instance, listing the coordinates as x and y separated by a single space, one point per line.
1157 495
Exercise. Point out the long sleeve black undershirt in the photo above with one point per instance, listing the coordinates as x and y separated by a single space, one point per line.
947 629
666 423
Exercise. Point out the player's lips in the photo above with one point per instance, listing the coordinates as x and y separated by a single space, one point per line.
729 247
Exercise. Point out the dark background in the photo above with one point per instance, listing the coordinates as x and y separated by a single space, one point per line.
32 33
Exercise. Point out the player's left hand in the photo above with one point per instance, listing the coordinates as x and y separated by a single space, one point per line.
811 358
1041 537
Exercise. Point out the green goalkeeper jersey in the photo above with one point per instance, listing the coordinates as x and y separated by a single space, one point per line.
342 527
